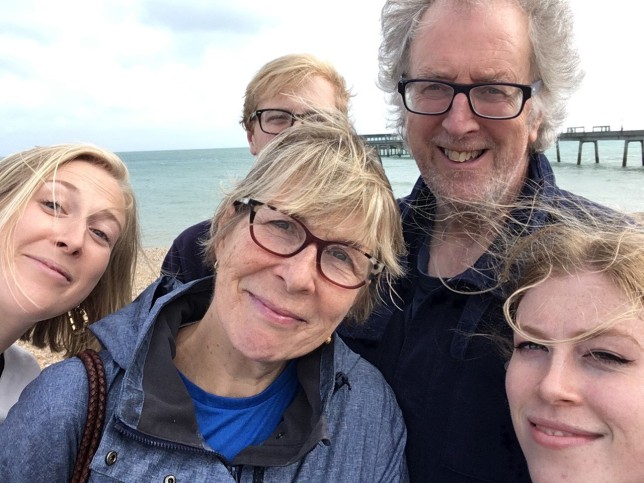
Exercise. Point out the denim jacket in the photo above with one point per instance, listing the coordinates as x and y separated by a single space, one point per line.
344 425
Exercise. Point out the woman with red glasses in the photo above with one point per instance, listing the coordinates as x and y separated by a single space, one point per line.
240 377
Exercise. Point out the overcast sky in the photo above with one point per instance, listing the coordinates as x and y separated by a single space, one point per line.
135 75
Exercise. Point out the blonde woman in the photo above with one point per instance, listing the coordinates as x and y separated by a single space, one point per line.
69 233
575 381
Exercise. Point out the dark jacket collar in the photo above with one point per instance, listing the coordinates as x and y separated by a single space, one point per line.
418 209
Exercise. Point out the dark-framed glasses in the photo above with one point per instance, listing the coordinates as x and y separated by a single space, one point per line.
282 235
490 100
274 121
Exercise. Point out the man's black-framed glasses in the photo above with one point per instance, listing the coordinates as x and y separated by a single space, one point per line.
274 121
490 100
282 235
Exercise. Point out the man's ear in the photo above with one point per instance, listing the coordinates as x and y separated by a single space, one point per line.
533 129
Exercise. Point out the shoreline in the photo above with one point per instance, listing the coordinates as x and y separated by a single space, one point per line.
147 270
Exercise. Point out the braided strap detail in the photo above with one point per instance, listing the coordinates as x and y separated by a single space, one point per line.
95 415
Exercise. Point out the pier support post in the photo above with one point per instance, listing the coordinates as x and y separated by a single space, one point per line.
601 133
558 154
626 143
581 143
596 152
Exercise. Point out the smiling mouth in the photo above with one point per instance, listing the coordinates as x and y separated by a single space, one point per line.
54 268
462 156
561 433
280 312
284 314
553 432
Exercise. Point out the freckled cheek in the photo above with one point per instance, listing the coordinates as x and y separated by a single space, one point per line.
247 262
621 406
518 382
240 270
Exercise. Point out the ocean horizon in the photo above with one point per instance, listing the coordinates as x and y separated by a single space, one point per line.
178 188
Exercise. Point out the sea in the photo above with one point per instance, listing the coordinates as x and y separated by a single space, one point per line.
176 189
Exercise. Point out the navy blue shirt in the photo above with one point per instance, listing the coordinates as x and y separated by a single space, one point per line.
439 351
185 259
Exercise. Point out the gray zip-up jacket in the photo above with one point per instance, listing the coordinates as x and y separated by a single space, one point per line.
344 425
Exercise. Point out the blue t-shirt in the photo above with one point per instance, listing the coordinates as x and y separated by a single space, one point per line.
231 424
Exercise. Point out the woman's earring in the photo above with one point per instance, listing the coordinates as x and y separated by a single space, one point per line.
216 266
78 327
328 340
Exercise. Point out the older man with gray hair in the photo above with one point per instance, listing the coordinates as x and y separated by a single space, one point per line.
480 88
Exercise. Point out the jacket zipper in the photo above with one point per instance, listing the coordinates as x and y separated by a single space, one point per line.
159 443
235 471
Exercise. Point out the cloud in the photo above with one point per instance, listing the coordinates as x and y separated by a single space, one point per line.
116 72
202 16
162 74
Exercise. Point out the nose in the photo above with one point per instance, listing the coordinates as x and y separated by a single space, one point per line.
558 384
300 271
69 236
460 119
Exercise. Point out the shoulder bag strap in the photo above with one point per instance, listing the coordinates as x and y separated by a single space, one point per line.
95 414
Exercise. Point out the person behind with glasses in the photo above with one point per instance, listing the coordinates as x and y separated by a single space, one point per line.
283 90
247 383
479 89
576 376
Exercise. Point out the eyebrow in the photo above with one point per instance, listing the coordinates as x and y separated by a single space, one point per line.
441 75
107 214
102 214
341 241
610 332
66 184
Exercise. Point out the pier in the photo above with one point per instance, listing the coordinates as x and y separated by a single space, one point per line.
389 144
386 144
601 133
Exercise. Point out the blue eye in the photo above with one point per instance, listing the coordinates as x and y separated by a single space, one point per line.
339 254
52 206
101 234
281 227
530 346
